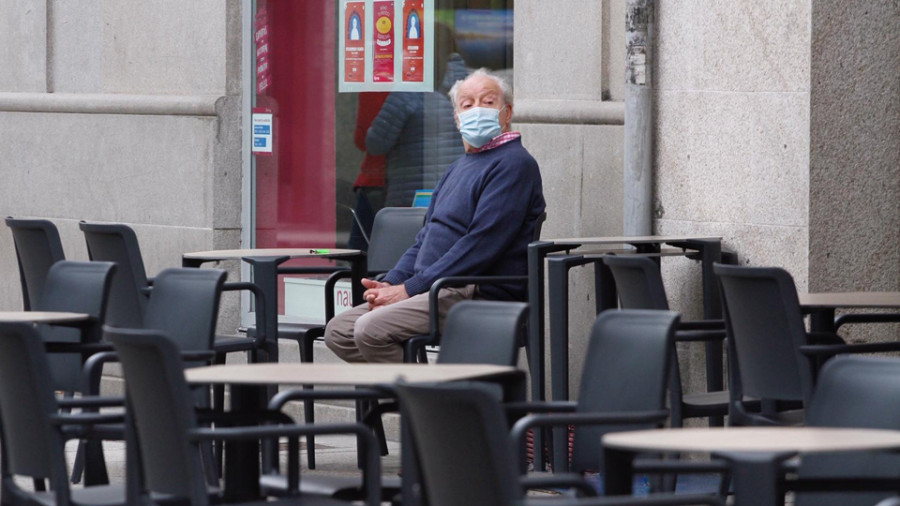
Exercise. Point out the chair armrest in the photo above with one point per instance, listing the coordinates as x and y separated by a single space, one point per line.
91 402
520 428
371 452
702 325
93 366
260 301
281 398
84 348
827 350
849 318
690 336
330 283
231 419
457 281
86 418
824 338
523 408
559 480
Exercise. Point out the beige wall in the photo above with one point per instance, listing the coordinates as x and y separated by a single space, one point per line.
121 111
569 109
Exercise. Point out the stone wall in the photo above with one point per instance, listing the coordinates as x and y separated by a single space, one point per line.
121 111
569 87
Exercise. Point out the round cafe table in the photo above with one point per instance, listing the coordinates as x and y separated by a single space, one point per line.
754 452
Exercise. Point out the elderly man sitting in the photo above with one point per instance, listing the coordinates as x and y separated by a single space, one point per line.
480 221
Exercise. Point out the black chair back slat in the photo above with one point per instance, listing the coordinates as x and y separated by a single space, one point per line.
37 248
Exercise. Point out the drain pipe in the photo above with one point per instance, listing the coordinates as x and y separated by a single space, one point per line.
638 180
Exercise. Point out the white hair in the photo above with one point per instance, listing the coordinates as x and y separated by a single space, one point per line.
505 88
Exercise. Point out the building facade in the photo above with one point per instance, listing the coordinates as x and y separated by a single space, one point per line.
777 126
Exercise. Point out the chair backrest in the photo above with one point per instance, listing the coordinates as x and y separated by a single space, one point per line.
626 368
184 305
483 332
37 248
162 412
77 287
765 326
393 232
461 440
32 446
113 242
638 282
857 392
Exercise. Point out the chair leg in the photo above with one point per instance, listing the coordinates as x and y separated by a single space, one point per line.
309 408
78 464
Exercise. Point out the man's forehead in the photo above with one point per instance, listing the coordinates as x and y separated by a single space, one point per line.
478 85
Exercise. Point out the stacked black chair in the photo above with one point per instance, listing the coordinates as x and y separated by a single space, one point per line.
393 232
118 243
771 356
476 332
640 286
34 430
168 435
466 456
37 248
77 287
623 386
414 348
853 392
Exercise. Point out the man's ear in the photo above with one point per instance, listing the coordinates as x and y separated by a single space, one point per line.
456 119
509 114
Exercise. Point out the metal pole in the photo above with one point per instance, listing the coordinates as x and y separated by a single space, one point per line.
638 180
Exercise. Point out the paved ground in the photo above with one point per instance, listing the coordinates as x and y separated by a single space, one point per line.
335 455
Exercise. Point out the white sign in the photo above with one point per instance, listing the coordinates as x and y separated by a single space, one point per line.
262 133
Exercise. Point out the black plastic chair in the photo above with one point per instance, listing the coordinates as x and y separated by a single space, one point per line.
34 430
623 385
77 287
184 306
118 243
639 284
414 348
476 332
855 392
771 355
37 248
466 456
393 232
168 434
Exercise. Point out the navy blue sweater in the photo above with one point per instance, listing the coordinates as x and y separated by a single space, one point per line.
480 221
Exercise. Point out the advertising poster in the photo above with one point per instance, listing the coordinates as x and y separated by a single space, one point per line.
413 41
355 42
383 65
261 40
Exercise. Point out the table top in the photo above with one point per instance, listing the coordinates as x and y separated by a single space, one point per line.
754 439
230 254
637 239
42 317
341 374
850 300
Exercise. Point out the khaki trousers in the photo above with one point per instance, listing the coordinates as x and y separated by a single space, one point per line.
361 335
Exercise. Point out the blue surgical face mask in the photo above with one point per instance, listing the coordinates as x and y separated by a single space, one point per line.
479 125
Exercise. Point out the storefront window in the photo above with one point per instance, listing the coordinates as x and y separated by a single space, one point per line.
326 160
